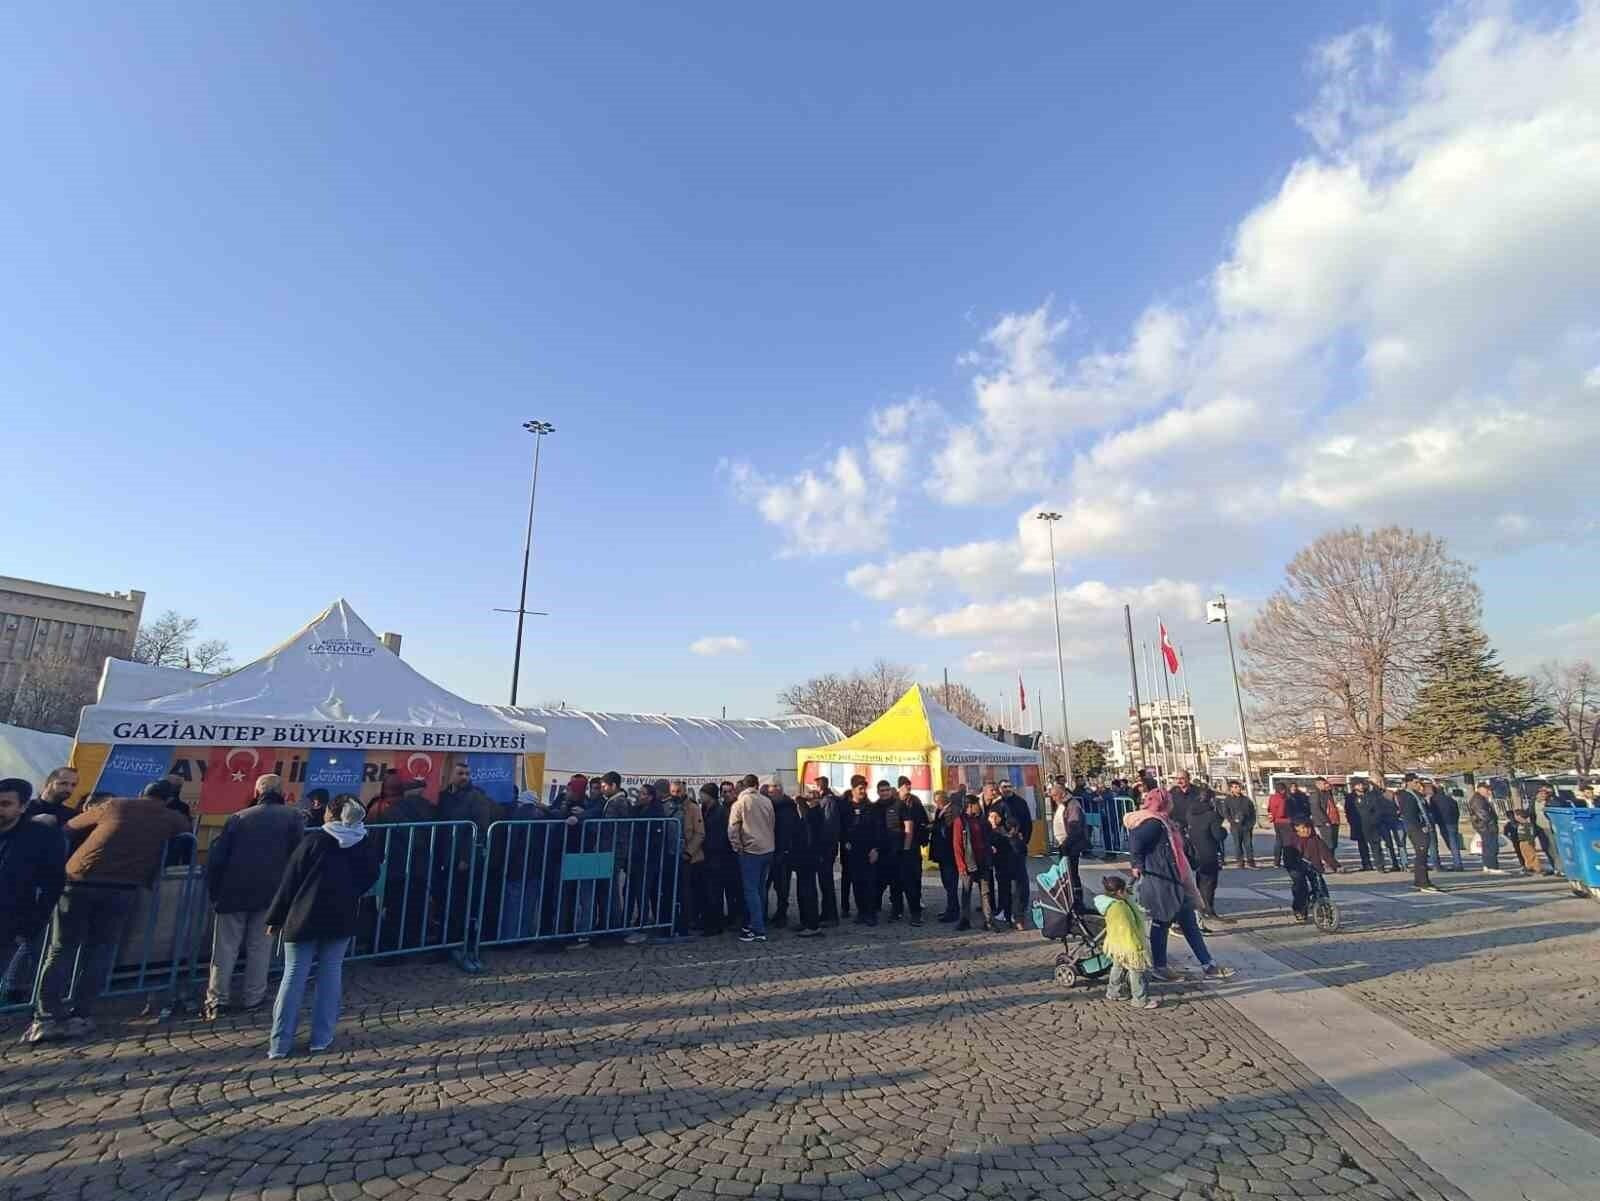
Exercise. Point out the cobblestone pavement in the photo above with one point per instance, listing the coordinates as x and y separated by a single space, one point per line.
1501 972
897 1062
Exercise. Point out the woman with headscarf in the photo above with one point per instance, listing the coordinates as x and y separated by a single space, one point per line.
1167 890
334 866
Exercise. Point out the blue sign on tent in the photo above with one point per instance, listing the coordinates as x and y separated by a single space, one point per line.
496 775
337 771
129 768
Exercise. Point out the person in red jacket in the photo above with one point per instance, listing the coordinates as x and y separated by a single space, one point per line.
970 843
1278 815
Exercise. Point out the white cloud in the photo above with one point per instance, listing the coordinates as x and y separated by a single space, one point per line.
829 512
1582 632
1091 602
974 568
719 644
1591 380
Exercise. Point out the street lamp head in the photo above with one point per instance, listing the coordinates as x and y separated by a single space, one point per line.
1047 516
539 427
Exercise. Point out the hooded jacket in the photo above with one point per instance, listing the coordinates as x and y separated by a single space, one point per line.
752 824
322 887
245 863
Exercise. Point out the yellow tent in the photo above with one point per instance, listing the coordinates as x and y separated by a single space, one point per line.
920 739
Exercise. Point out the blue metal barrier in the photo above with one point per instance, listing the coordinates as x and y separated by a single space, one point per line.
423 900
598 878
151 961
1107 814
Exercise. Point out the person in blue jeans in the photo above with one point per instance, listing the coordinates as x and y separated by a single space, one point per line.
752 832
314 909
1167 890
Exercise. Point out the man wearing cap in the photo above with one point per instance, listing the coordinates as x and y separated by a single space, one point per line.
887 879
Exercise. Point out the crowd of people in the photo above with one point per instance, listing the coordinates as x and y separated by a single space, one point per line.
727 858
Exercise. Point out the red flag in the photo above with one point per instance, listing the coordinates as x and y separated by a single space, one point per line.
1167 653
1022 693
230 778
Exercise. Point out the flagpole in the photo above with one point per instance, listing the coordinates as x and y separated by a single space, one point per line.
1194 740
1133 672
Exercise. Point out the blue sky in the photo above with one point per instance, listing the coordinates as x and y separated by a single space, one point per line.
283 281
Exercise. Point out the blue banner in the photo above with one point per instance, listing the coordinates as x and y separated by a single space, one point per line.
337 771
496 775
129 768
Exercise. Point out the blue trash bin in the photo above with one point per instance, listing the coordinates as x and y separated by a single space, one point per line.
1584 861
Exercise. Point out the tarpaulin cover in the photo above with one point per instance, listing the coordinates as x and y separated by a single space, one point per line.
31 755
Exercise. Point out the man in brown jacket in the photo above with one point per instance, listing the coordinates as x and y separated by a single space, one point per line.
126 840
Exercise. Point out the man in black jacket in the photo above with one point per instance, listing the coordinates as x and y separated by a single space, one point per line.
1241 814
1188 796
32 875
1445 811
785 829
244 867
1414 816
724 889
830 804
1353 819
886 811
803 857
946 812
912 818
864 832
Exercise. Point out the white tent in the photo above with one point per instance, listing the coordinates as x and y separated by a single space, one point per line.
122 681
323 709
31 755
649 746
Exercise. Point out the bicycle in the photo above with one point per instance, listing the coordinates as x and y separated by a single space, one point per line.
1324 911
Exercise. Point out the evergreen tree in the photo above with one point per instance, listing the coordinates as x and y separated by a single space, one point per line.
1472 715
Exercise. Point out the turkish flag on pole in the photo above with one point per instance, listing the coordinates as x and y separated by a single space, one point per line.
1022 693
1167 653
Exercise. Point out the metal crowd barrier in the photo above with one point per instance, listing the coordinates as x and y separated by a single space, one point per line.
602 878
155 941
442 889
1107 835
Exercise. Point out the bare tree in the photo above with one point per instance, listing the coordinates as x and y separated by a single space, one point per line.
210 655
963 702
1335 653
52 691
1572 690
850 702
165 641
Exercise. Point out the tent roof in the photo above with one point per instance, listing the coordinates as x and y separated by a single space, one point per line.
31 755
122 680
918 723
333 672
666 745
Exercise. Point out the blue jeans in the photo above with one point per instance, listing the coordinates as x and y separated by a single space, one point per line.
1451 837
753 870
1189 923
298 958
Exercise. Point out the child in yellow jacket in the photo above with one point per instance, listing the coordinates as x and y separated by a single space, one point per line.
1126 943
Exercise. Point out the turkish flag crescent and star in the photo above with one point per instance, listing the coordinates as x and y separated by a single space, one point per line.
1167 653
230 779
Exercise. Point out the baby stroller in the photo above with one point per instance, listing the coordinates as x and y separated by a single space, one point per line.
1081 934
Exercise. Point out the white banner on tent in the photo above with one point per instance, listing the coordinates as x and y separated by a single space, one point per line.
143 729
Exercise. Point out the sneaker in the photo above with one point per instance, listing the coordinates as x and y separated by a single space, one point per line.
1215 971
748 936
809 934
319 1050
79 1027
1549 871
761 938
1427 888
1166 974
894 917
1493 871
44 1032
916 919
277 1055
634 939
1301 918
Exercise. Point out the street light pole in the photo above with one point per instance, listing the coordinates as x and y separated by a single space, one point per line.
1218 611
1050 520
538 429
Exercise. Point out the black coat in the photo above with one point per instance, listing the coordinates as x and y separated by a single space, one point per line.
1298 807
1413 811
863 830
1241 810
1190 805
808 838
33 859
940 830
1206 837
1353 816
323 886
718 848
246 862
785 827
